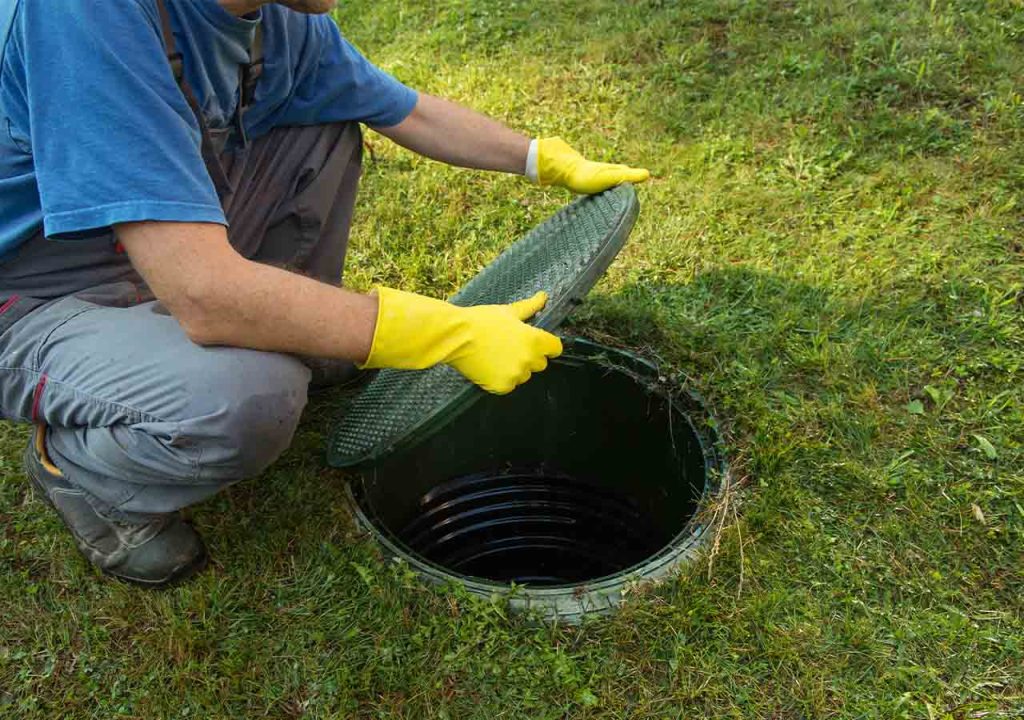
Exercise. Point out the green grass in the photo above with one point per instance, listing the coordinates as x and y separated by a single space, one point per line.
832 249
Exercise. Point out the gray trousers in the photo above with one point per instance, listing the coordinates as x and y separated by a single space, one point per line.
140 417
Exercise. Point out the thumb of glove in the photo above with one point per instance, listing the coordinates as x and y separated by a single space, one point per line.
526 309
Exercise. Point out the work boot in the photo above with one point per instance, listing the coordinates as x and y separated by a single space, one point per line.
150 550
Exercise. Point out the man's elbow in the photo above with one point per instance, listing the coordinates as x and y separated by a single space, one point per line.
200 330
194 272
196 310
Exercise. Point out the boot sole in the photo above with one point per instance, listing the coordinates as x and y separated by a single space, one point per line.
189 570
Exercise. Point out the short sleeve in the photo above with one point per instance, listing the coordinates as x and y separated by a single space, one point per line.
112 138
337 83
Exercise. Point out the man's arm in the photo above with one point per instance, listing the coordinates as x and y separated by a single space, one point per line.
220 298
445 131
442 130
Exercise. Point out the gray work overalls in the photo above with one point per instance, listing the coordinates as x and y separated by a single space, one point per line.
140 417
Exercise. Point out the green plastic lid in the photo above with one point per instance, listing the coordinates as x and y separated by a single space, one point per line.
564 256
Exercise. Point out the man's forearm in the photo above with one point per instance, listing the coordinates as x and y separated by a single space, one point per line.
448 132
221 298
266 308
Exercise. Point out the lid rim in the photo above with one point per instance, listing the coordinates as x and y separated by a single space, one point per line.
557 310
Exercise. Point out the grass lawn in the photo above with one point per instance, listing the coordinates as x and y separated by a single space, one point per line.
833 251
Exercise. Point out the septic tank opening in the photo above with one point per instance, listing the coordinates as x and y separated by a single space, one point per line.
589 476
532 526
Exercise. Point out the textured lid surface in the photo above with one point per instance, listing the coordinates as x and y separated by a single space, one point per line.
565 256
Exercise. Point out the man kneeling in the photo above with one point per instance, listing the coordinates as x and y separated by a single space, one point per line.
179 178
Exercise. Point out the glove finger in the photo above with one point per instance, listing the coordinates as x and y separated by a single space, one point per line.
548 344
636 175
606 176
499 388
618 174
539 364
507 386
526 309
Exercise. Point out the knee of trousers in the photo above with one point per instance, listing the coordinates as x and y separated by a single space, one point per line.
245 410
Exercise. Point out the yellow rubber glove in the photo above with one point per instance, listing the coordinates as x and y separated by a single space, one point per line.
559 164
490 344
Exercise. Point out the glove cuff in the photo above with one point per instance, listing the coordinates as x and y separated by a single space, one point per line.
532 163
371 359
413 332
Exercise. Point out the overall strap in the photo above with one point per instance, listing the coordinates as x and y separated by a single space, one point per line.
249 75
209 151
252 72
177 61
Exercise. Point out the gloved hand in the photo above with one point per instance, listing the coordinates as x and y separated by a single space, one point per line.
558 164
490 344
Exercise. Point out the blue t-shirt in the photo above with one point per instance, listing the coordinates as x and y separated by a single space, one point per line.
95 131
